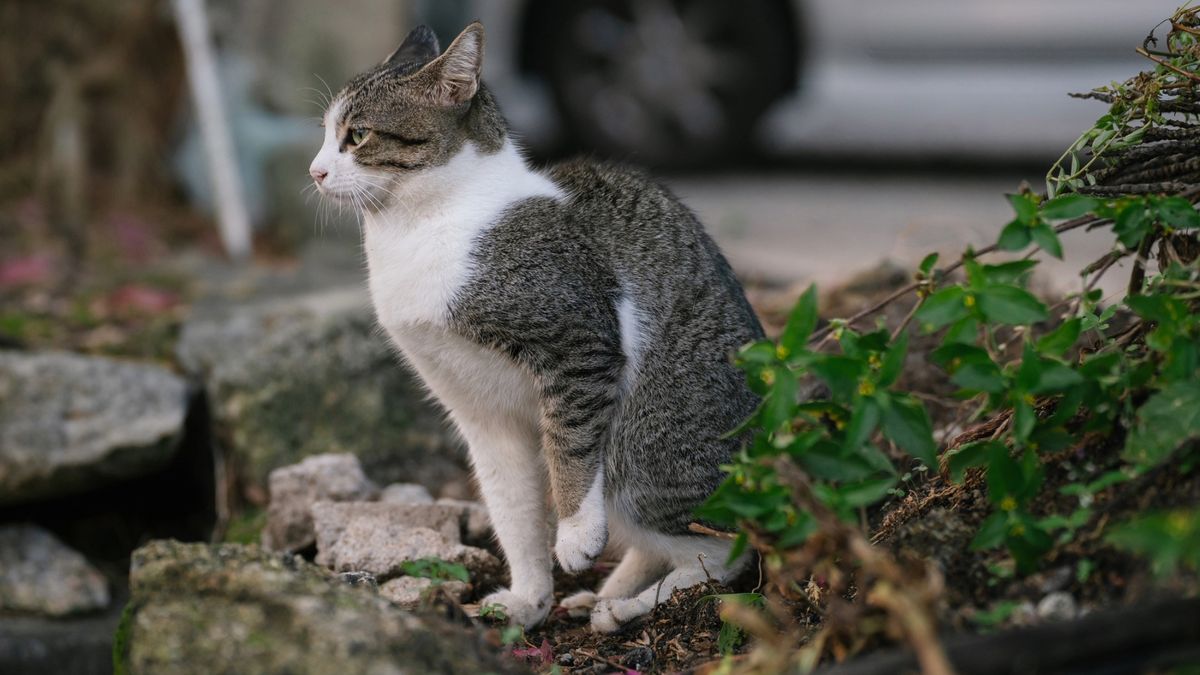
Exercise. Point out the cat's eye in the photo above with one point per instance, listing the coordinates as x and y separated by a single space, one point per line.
357 136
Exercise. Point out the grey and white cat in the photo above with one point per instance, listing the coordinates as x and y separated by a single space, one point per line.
577 325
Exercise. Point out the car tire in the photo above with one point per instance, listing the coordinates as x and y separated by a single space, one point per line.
673 83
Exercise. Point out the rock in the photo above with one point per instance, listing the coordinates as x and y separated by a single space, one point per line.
294 489
409 591
199 608
292 378
1057 606
406 493
477 526
69 423
40 575
638 658
379 538
79 645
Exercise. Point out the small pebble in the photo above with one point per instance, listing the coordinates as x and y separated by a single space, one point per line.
567 659
359 579
1057 606
638 658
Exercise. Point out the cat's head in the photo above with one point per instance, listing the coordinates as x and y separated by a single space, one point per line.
410 114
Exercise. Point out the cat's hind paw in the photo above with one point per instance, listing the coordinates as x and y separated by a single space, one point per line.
604 616
579 605
519 610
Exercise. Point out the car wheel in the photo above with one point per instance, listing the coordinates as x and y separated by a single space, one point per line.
666 82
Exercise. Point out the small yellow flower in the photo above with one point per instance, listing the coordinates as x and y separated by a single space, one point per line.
1008 504
739 479
1177 523
768 377
839 423
874 361
782 352
969 300
866 387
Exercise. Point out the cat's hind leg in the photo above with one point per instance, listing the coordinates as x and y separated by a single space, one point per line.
633 574
694 560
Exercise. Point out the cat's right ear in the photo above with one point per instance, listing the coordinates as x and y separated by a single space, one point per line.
453 78
421 46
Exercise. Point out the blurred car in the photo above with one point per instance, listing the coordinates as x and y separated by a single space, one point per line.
679 82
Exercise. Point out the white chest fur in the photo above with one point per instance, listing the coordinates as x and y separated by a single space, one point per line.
419 250
419 256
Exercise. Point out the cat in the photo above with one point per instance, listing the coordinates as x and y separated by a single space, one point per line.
577 325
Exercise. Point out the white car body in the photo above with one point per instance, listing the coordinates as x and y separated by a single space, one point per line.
916 78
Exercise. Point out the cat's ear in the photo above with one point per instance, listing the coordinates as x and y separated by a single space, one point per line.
421 46
454 76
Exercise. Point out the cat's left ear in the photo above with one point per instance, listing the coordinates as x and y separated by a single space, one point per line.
454 76
421 46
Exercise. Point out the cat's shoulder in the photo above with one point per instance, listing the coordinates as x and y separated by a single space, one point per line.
590 180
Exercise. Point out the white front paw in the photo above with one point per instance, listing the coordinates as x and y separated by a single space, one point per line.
519 610
581 539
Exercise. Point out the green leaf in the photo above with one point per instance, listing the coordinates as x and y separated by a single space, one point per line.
863 422
907 424
800 323
1178 212
1010 305
827 462
943 307
1055 377
1069 206
781 401
1004 475
798 533
739 547
1132 224
1170 539
967 456
992 532
1014 237
980 377
1047 239
927 263
867 492
1059 340
841 373
1164 422
893 361
1025 206
1009 272
1024 419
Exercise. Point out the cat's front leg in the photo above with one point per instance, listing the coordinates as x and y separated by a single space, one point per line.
511 479
579 396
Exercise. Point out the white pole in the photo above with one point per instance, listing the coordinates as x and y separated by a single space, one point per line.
232 217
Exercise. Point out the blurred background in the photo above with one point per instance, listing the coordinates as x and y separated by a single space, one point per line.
156 363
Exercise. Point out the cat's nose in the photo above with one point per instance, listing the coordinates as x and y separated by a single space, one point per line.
318 174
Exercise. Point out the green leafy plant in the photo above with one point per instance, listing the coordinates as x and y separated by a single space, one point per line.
436 569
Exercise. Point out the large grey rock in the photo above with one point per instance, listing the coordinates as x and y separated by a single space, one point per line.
294 489
41 575
71 422
406 493
303 376
379 538
198 608
79 645
409 592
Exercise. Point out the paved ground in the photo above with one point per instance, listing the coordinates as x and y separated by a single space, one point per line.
792 226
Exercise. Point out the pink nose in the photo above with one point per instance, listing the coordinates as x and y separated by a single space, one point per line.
318 174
